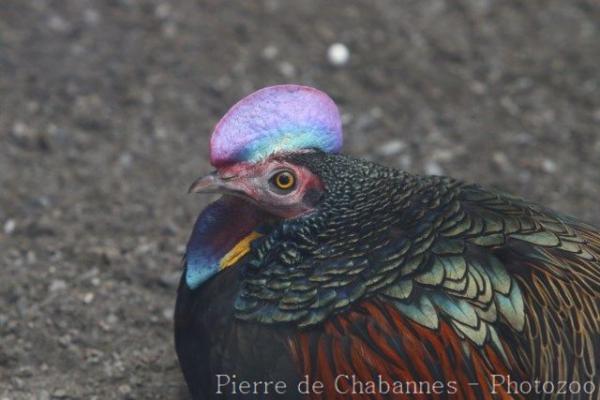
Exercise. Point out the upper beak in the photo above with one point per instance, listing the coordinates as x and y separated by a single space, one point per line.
210 183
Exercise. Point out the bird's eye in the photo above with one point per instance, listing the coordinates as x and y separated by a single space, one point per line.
284 180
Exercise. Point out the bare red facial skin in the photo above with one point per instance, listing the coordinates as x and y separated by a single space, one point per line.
253 182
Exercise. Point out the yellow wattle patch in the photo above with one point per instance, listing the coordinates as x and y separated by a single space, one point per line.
238 251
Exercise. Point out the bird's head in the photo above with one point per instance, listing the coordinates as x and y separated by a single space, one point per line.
275 185
251 145
253 149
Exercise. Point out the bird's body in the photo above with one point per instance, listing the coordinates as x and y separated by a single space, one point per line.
429 285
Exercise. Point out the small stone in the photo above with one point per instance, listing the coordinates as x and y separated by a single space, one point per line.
391 148
549 166
108 253
163 10
20 129
443 155
405 161
104 326
91 16
161 132
376 112
43 395
9 226
60 393
31 257
510 105
524 176
477 87
287 69
222 83
57 23
168 314
57 285
170 30
270 52
170 279
338 54
65 340
93 355
125 160
433 168
25 371
17 382
112 319
22 306
502 161
88 298
124 389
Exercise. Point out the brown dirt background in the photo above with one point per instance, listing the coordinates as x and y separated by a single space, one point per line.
106 108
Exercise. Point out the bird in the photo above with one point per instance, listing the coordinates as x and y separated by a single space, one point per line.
337 277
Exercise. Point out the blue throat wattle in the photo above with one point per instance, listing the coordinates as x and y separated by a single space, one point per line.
222 225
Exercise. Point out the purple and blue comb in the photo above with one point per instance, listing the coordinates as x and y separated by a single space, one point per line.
281 118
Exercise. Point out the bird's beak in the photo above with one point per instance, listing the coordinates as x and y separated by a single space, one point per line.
210 183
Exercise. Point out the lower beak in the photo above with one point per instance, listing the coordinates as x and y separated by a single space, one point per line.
210 183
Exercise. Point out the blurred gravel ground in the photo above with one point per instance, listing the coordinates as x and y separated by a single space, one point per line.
106 108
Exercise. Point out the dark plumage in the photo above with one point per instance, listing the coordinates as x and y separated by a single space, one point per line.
404 278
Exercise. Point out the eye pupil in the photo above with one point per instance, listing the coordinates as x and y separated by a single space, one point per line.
284 180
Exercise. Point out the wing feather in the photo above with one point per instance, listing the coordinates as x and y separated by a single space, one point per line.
506 287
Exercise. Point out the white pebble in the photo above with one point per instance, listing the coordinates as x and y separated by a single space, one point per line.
57 23
21 130
43 395
376 112
59 393
91 16
405 161
88 298
549 166
287 69
58 284
270 52
9 226
112 319
125 159
433 168
502 161
392 147
125 389
163 10
338 54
